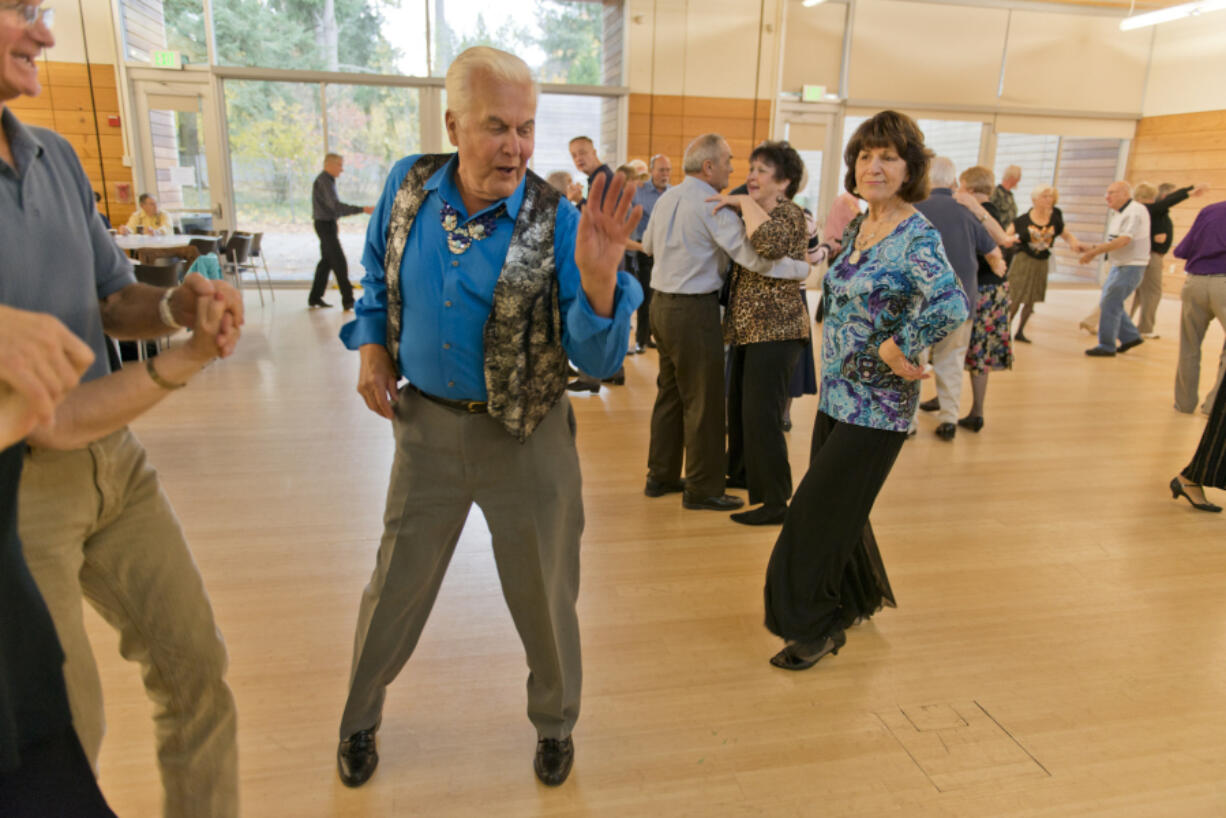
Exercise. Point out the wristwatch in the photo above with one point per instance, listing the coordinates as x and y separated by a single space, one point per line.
168 317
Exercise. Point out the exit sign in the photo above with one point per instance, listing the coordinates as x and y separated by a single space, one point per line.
813 93
167 59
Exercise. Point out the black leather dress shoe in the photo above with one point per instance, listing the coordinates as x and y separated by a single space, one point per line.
1127 345
933 405
946 431
725 502
347 307
554 758
580 385
356 758
972 422
658 488
762 515
617 380
320 304
1099 352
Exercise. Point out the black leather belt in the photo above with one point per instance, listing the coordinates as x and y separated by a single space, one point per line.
472 407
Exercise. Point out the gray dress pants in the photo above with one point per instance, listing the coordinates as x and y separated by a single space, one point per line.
531 495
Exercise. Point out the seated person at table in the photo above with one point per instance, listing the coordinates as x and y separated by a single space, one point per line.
148 219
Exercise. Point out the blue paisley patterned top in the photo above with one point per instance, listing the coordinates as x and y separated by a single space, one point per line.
904 287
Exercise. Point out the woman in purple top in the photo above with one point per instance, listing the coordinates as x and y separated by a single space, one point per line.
890 293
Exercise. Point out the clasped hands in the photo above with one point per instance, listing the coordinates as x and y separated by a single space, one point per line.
219 319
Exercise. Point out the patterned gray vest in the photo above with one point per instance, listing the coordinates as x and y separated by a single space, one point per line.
525 364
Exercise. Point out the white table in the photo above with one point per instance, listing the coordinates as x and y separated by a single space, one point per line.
133 242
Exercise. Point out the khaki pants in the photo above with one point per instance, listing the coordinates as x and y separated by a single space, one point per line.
532 498
95 525
948 357
1204 298
1149 294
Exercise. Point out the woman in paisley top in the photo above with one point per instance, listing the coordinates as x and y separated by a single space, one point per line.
766 327
890 293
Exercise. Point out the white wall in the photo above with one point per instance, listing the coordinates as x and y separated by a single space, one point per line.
71 38
1188 72
705 48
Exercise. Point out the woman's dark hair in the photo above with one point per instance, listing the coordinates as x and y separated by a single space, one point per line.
890 129
786 162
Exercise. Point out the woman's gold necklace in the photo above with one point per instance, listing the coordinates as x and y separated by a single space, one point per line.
865 240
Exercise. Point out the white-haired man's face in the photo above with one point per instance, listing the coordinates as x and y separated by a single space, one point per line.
495 137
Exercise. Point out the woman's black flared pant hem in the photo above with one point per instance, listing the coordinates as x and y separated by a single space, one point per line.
1208 466
826 571
760 377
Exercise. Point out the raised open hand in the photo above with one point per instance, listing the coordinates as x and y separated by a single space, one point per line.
604 227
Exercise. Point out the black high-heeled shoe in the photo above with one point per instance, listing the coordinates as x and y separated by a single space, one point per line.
1177 491
804 655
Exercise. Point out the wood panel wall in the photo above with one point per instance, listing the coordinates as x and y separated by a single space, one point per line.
1184 149
79 110
665 124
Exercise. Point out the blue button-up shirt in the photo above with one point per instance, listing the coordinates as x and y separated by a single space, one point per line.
646 196
448 297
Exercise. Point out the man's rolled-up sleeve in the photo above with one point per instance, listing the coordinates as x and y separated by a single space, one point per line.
596 344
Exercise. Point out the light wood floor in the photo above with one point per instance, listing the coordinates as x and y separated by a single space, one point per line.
1059 648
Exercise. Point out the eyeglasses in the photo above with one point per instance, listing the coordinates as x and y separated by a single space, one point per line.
32 15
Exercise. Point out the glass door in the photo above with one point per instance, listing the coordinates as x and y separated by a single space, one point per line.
812 133
178 156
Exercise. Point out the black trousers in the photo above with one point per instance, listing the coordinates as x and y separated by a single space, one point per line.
642 328
687 421
1208 466
54 780
757 394
826 570
331 259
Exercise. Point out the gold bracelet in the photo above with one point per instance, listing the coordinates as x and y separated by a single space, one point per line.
158 379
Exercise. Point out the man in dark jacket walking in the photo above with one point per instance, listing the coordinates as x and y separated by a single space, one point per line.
327 208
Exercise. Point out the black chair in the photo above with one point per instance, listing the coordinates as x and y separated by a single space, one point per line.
205 246
257 251
238 249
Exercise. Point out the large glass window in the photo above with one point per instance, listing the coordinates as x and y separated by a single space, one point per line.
276 151
559 119
560 39
1035 154
945 137
372 127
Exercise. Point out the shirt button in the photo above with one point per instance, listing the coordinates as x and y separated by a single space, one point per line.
455 264
446 303
446 346
451 384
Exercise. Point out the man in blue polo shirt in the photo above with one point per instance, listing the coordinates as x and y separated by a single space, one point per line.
965 239
480 282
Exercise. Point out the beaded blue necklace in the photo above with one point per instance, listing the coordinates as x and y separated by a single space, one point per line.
460 237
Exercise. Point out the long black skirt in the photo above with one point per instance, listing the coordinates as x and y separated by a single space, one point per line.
826 571
1208 466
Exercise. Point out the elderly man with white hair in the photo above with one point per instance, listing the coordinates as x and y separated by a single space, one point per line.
965 239
481 280
692 243
1002 197
1127 247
